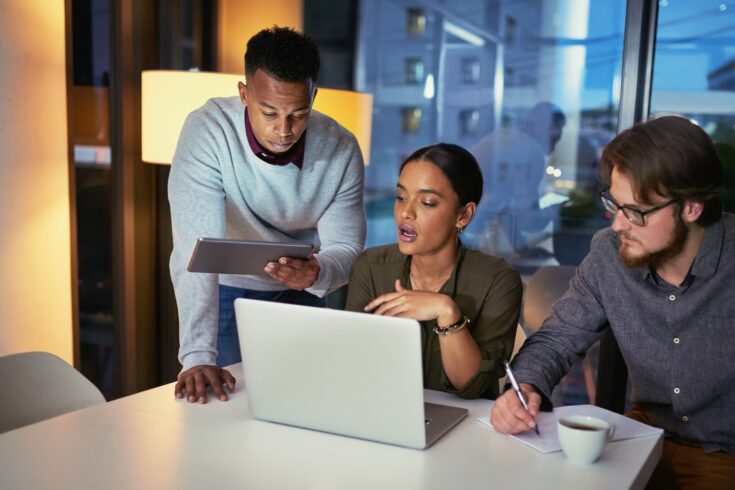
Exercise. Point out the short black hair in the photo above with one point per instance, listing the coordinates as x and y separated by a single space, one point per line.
458 164
285 54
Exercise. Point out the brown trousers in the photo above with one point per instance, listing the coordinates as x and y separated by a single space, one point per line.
684 466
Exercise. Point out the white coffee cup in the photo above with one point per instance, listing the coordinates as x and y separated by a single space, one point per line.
583 438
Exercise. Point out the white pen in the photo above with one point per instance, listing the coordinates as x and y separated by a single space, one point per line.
518 391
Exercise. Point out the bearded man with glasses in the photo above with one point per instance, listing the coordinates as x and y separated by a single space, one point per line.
661 280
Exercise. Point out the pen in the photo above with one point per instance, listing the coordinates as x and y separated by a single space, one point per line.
518 391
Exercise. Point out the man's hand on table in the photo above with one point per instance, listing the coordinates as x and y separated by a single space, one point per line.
508 415
193 382
296 274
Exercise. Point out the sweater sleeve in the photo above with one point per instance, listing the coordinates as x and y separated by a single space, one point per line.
494 331
342 227
196 195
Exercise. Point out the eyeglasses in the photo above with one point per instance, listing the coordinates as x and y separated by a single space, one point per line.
634 215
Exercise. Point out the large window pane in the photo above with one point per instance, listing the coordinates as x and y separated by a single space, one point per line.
90 134
186 41
531 87
694 73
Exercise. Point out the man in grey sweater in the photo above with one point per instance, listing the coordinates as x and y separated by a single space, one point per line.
261 166
661 279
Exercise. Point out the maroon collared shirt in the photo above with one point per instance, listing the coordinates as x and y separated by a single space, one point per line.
294 155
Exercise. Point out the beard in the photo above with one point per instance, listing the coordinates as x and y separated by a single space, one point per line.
655 259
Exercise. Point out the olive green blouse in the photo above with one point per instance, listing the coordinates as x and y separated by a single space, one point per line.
486 289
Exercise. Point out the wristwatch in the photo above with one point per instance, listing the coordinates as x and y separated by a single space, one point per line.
454 327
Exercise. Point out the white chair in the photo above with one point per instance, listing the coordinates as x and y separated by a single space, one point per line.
36 386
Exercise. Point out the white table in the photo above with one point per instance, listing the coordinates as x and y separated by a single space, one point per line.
151 440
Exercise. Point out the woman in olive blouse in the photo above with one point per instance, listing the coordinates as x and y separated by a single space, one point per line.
466 301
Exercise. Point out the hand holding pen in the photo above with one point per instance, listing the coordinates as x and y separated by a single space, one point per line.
517 389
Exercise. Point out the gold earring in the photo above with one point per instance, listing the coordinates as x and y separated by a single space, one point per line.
460 228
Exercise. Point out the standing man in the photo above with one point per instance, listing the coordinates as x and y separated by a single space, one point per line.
661 279
263 166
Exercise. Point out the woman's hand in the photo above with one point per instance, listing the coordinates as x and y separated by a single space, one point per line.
419 305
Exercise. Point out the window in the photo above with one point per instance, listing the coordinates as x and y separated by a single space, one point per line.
90 133
470 70
415 22
411 120
414 71
469 121
694 73
531 88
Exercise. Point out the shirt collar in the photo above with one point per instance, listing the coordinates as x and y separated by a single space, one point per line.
710 251
294 155
707 258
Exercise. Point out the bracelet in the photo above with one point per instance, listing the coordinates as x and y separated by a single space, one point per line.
454 327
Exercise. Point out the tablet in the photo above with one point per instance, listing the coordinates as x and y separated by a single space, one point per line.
223 256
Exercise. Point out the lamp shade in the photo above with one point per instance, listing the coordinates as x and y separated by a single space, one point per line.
169 96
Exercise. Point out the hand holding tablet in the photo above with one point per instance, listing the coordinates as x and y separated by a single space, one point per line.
297 274
225 256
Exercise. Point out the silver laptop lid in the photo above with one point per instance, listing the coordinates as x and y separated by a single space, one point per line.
343 372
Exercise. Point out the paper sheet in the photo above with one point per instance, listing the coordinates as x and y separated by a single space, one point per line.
548 441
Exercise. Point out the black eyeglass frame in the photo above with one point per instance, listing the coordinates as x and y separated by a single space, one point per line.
632 214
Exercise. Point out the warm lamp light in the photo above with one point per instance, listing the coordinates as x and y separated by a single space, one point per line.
169 96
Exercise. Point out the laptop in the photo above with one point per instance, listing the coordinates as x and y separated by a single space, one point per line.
347 373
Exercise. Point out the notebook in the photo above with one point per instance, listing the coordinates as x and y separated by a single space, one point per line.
347 373
548 441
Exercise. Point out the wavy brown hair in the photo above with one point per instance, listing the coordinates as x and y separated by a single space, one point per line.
671 157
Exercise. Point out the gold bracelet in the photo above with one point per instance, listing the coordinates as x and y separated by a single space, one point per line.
454 327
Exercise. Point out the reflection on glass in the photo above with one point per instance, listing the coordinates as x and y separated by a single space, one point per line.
414 71
514 163
470 121
531 87
510 30
415 22
694 74
528 86
470 70
411 120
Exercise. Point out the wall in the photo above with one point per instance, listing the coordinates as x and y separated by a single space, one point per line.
238 21
35 264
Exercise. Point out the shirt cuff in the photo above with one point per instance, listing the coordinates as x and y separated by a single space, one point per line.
320 288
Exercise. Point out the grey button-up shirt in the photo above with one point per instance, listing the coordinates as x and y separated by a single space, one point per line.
678 342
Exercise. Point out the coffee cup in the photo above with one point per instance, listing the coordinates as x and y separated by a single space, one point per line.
583 438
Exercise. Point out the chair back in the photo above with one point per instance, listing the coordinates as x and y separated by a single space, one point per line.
546 285
36 386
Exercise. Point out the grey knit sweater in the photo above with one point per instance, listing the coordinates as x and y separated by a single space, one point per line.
219 188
